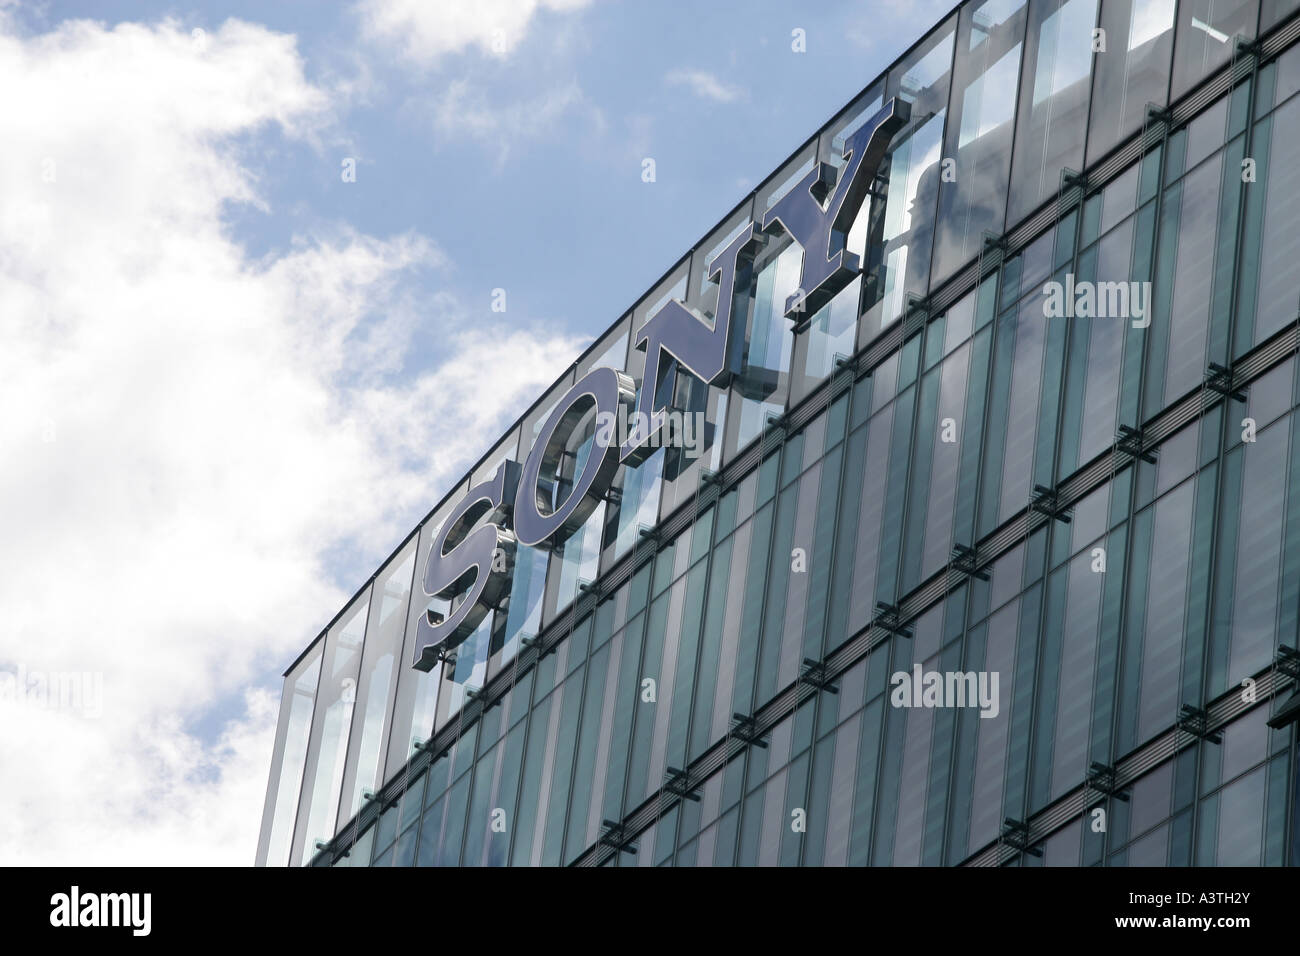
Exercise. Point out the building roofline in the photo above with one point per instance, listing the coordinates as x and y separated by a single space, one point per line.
751 196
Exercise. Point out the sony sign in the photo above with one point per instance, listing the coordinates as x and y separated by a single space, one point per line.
517 506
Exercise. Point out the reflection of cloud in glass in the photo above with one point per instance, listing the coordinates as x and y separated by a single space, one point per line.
982 114
856 241
917 154
1064 48
1150 19
915 157
976 200
931 67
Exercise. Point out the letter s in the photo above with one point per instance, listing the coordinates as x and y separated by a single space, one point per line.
461 562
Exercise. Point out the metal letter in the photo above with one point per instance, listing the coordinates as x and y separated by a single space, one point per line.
681 334
613 393
814 226
468 567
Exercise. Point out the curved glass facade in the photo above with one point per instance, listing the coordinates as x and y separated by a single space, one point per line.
1084 526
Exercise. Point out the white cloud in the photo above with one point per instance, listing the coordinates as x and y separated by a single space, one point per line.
704 85
462 111
425 32
189 432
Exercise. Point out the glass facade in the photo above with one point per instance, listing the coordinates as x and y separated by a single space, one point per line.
1086 525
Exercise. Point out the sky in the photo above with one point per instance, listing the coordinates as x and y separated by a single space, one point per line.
248 255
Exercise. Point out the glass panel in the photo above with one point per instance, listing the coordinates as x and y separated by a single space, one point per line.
1189 225
785 179
1097 346
940 435
498 638
506 449
636 488
979 136
1119 198
296 705
1253 600
417 691
1207 31
1078 629
578 560
901 227
1273 12
1021 346
831 337
1165 613
471 666
609 352
992 733
1053 101
1133 72
377 680
703 408
1062 848
761 389
958 323
1269 294
1205 134
1278 81
1241 821
672 287
318 806
638 506
832 332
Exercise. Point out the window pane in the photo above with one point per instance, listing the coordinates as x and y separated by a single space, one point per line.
1241 821
417 691
979 133
1184 285
377 681
901 228
1270 283
1133 72
762 387
1053 102
323 778
1206 33
296 706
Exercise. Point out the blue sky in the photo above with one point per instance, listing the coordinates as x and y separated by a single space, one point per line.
557 216
244 380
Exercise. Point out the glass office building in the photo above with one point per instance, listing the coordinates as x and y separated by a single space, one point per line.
934 472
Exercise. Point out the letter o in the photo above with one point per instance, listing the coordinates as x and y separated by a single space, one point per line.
608 390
